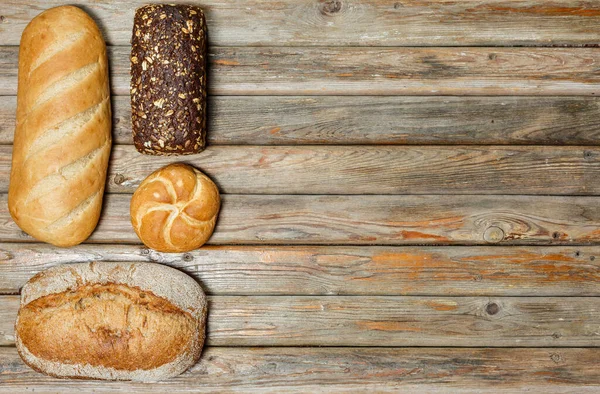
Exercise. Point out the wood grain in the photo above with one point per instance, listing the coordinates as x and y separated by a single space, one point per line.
276 370
332 120
336 270
388 321
369 169
368 220
354 22
375 71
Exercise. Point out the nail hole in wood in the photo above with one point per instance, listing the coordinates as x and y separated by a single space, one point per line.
592 258
188 257
492 308
578 253
556 235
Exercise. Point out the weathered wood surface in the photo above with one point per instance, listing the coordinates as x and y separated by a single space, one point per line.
336 270
388 321
374 170
353 22
369 220
369 169
375 71
276 370
264 120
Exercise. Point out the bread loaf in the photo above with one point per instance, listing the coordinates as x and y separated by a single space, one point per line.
168 79
175 209
62 137
121 321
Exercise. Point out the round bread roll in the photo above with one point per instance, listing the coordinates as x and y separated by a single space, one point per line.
175 209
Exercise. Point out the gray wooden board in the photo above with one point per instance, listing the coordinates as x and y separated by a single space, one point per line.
298 369
369 169
374 71
388 321
368 220
274 120
353 22
341 270
282 73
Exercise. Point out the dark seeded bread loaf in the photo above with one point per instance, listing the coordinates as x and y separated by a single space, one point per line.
168 79
121 321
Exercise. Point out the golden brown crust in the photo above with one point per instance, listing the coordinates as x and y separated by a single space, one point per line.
112 325
121 321
62 137
175 209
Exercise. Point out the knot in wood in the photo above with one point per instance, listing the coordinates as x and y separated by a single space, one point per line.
493 234
492 308
119 179
331 7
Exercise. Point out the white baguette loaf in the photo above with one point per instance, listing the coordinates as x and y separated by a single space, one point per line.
120 321
63 132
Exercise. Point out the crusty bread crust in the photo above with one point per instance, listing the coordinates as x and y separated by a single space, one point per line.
63 131
175 209
168 59
168 283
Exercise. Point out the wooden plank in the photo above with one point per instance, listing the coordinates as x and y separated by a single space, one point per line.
375 71
354 22
369 169
264 120
388 321
335 270
276 370
372 220
373 169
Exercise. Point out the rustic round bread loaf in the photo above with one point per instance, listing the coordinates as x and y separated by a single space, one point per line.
117 321
175 209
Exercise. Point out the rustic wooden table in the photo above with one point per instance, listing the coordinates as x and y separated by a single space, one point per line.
411 196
